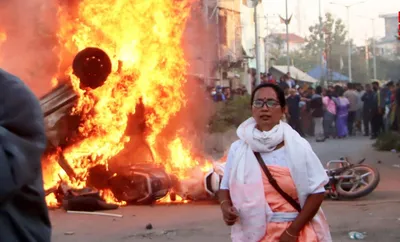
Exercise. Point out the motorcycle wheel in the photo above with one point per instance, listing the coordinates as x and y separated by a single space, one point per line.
366 179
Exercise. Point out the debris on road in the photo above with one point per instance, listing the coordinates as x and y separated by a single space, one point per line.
69 233
95 213
149 226
356 235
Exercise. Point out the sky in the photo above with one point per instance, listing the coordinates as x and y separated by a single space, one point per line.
360 25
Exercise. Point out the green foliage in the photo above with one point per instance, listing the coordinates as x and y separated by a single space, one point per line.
388 141
230 114
331 35
331 32
275 50
386 69
300 60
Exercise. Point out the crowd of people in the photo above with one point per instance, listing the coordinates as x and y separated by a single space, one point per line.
222 94
339 112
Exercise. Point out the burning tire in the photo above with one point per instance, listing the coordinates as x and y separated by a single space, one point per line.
92 66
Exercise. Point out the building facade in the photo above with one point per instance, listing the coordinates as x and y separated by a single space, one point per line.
212 39
389 45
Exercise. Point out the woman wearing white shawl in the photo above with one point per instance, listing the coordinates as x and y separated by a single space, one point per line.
250 204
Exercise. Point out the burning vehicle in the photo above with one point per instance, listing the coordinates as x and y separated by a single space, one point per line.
112 120
132 181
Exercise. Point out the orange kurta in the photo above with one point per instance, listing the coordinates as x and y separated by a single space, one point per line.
278 204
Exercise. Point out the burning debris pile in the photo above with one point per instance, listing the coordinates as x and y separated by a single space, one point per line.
108 118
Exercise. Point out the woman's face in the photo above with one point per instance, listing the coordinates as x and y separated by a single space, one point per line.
266 109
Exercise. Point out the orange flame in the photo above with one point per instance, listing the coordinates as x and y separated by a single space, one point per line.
146 37
3 38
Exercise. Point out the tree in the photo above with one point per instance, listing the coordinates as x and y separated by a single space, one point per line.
330 36
299 59
330 33
387 67
277 46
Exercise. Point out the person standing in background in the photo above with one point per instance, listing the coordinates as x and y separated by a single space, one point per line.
342 113
377 111
283 84
352 97
329 115
23 210
317 106
270 78
397 101
368 105
293 103
290 80
308 125
359 116
389 98
218 95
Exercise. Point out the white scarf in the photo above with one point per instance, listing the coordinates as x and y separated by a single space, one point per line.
246 186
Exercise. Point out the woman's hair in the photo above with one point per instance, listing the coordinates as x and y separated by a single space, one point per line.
318 90
340 91
279 93
329 94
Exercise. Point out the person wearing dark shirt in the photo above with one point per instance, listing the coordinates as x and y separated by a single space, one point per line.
368 99
377 111
397 101
23 212
282 83
293 104
317 112
219 96
307 121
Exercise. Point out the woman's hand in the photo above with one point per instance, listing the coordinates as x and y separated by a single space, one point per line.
230 214
286 237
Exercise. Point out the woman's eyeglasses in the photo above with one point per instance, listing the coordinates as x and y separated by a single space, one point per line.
269 103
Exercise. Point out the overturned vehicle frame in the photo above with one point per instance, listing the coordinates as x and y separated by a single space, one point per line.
137 181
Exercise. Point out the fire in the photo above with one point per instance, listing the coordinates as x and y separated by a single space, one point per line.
3 38
145 36
167 199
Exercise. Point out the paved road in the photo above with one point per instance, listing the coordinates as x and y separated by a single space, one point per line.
378 215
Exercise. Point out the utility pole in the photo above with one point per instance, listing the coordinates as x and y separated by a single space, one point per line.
373 47
287 37
367 58
206 61
257 47
348 32
218 41
266 49
321 51
349 44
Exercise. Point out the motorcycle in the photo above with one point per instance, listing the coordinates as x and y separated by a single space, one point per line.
350 181
346 180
